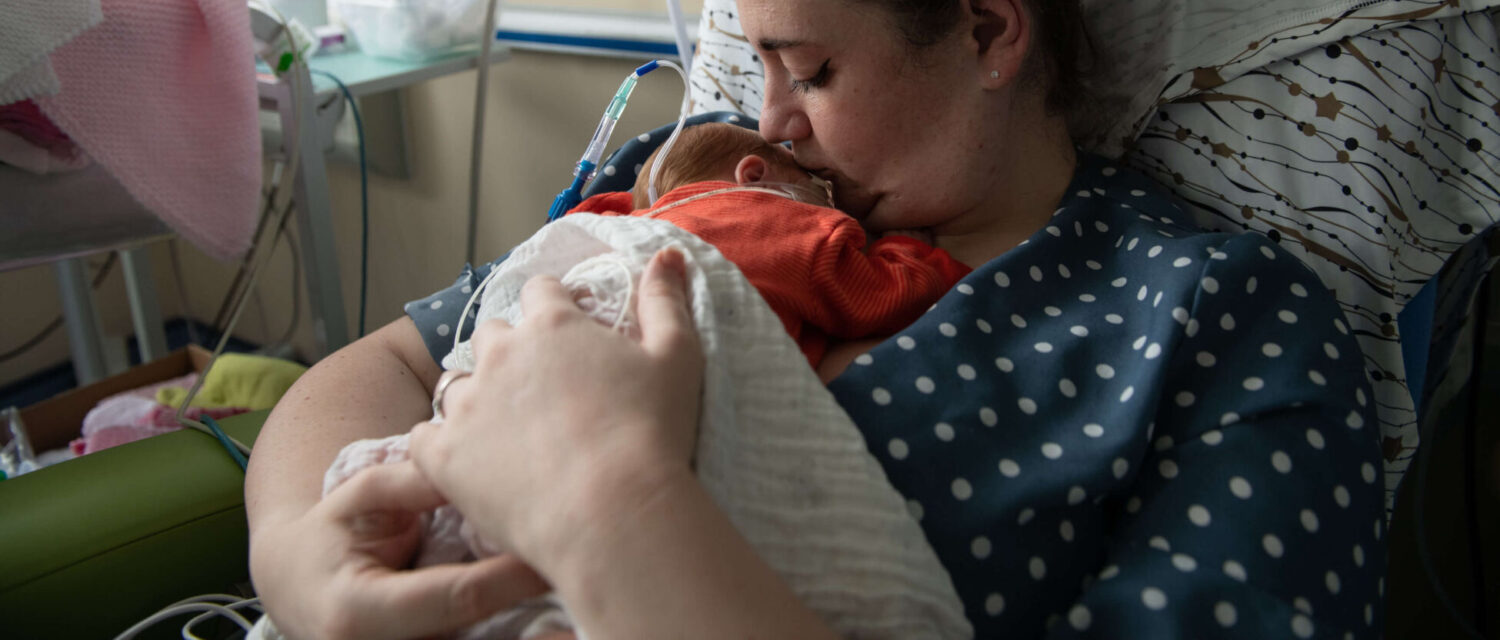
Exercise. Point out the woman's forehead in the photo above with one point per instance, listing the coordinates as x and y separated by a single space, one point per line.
773 25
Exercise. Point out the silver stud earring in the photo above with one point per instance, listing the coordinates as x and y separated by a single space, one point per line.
994 75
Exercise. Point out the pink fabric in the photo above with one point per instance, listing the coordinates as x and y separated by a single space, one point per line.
162 93
149 391
120 410
164 416
128 417
448 537
133 407
25 119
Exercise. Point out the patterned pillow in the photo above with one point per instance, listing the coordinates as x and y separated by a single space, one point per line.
1373 159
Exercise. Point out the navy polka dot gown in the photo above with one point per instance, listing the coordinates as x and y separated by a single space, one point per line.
1125 427
1129 428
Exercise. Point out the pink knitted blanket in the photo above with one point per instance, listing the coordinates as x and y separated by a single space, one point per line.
162 94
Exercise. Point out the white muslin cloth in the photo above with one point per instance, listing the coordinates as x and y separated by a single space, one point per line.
775 451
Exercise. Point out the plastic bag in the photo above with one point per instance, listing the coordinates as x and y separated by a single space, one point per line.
16 456
413 29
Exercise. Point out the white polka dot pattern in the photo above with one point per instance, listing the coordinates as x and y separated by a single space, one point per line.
1138 401
1191 374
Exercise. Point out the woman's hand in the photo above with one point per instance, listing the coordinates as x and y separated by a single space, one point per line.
335 572
566 427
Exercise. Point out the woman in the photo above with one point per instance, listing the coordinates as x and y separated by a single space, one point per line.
1116 425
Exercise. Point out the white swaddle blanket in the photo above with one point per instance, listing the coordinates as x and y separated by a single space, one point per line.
774 450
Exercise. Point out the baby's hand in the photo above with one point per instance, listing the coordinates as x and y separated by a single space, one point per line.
920 235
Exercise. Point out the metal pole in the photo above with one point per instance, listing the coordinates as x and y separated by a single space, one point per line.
145 311
82 321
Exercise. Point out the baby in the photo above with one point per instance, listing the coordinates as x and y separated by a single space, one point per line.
750 200
771 219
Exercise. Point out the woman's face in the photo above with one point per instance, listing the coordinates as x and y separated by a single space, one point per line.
896 134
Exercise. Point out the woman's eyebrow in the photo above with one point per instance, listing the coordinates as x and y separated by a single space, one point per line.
772 44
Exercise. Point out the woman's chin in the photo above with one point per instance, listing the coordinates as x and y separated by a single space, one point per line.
857 205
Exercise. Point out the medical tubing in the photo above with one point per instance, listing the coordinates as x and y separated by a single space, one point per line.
283 212
458 331
183 609
225 440
364 203
606 128
594 152
291 328
666 147
476 150
212 604
571 196
282 186
234 319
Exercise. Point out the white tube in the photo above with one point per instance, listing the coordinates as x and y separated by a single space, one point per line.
672 139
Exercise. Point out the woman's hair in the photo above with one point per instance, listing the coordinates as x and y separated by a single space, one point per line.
708 151
1061 55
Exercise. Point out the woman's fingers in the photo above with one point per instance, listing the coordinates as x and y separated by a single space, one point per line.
450 596
396 487
426 449
487 335
666 321
544 300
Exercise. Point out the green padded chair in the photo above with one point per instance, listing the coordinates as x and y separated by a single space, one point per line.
91 546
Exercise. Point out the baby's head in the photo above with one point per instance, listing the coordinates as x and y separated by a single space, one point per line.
720 151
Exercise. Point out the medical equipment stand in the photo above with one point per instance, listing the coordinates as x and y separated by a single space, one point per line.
310 196
366 77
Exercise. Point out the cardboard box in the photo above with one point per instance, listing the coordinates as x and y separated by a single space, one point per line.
55 422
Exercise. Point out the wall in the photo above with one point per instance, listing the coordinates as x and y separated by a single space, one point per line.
541 110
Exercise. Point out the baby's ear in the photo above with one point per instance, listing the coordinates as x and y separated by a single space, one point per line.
752 168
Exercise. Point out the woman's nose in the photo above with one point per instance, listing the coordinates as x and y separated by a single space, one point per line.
781 120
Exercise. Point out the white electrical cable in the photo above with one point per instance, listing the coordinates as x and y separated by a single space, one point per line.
281 210
666 147
205 605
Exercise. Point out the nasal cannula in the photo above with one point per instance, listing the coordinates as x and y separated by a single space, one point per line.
584 171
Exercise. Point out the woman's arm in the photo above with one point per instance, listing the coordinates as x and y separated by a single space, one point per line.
670 564
376 387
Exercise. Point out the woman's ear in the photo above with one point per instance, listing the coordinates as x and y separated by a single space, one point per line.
752 168
1001 32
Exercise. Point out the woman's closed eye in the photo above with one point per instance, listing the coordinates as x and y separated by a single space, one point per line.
819 79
